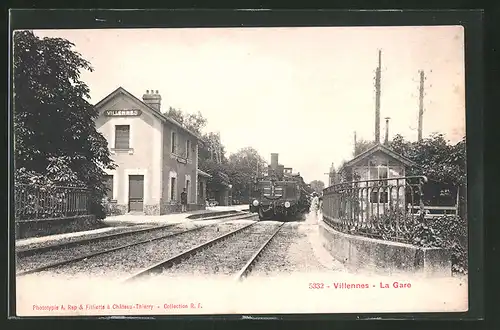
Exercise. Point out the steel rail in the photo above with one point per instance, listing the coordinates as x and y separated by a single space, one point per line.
245 270
51 247
165 264
93 254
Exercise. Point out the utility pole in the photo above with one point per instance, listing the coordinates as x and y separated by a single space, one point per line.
355 143
421 105
377 97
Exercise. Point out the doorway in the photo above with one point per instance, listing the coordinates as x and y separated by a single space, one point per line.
136 193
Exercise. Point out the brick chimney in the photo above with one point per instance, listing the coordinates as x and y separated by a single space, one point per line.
274 161
153 99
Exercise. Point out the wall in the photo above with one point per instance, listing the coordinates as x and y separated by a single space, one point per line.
45 227
362 254
144 157
202 194
173 167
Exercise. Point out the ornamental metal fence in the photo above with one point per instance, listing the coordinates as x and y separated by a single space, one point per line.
372 207
33 202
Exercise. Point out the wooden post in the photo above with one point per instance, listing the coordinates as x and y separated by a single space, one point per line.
421 105
377 98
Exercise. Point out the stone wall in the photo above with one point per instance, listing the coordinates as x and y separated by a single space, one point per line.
44 227
169 207
367 254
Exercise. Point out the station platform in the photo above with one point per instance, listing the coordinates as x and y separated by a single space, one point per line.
139 219
117 223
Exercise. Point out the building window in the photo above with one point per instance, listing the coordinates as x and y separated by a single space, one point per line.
188 148
379 197
122 137
174 143
382 172
108 184
172 189
188 184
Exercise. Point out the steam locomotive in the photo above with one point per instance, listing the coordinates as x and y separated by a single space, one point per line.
280 194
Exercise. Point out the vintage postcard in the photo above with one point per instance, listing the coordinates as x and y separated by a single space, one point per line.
196 171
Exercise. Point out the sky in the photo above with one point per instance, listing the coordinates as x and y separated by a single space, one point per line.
300 92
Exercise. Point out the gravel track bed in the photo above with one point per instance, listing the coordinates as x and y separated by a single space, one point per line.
289 252
128 261
70 239
49 257
275 258
226 258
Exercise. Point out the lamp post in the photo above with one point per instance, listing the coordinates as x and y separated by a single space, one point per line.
230 195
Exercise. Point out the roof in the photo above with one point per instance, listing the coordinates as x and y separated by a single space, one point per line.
205 174
157 114
374 149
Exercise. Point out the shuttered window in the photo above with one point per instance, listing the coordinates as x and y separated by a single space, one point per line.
108 184
174 142
122 137
188 147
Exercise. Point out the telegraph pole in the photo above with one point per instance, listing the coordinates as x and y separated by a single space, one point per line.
377 97
421 105
355 143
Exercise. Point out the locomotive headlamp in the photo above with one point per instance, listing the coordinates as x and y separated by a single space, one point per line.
255 202
287 204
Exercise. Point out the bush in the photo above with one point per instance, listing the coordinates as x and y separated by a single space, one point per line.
449 232
110 208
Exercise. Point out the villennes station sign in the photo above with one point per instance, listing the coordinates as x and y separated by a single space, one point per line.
123 113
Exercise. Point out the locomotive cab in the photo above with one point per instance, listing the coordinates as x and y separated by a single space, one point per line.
279 194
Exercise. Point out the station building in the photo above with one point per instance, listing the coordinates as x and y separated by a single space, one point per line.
156 157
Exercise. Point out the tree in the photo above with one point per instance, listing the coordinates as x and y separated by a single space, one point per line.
437 158
55 136
212 148
194 122
317 185
243 167
361 146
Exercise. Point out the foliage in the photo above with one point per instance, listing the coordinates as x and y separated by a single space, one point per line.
243 167
437 158
212 148
219 178
443 163
55 136
194 122
361 146
111 208
448 232
317 185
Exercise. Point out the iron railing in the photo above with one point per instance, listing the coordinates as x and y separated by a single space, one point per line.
41 202
374 206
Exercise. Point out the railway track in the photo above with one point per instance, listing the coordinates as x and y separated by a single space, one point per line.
111 237
165 265
28 251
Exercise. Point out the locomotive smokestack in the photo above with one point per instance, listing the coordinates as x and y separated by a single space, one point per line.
274 161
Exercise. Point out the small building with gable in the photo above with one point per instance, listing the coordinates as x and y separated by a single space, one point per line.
156 157
378 163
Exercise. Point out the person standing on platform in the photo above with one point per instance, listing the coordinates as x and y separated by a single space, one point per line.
184 200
